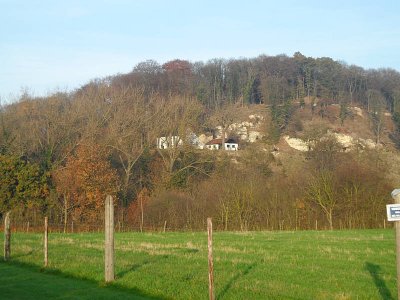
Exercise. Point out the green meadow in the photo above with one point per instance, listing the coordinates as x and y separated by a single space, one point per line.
357 264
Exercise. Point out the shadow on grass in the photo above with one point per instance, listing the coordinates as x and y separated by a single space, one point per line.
241 273
22 255
135 267
378 281
52 283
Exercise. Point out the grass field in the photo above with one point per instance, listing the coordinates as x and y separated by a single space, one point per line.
256 265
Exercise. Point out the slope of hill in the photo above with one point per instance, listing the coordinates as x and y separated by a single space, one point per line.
317 144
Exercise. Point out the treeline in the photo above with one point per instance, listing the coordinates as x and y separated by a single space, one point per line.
61 155
267 80
274 81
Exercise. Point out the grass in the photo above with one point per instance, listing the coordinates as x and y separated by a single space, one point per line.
257 265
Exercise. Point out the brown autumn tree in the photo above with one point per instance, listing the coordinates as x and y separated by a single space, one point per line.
178 76
41 128
63 179
85 182
177 66
136 208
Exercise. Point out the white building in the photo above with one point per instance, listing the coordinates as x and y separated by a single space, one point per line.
216 144
166 142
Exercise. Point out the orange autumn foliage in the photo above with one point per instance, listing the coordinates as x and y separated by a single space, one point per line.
87 179
135 208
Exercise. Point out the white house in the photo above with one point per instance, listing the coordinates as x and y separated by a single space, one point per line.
166 142
216 144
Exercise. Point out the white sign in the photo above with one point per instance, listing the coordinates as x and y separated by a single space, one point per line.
393 212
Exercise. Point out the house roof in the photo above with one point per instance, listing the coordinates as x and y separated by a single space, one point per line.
219 142
215 142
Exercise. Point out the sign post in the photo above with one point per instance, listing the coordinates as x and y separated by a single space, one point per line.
393 213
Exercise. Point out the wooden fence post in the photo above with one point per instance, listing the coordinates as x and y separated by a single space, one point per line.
396 197
7 237
210 261
46 238
109 240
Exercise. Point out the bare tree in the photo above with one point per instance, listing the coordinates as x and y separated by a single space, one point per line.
223 118
321 190
179 118
376 106
131 129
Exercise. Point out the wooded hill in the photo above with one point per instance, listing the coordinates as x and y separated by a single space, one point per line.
62 154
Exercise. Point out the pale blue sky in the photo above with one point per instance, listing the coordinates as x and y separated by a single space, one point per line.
47 45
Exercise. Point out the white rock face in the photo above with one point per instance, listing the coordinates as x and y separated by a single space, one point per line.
243 137
257 118
368 143
357 110
344 139
254 136
246 130
233 126
348 141
203 140
295 143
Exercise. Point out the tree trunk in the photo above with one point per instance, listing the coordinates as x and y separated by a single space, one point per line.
351 96
378 133
330 219
226 220
127 169
141 214
65 213
223 138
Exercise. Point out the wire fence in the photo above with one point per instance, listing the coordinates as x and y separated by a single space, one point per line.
75 227
109 250
19 224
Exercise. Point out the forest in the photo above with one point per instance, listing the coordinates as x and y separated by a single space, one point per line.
60 155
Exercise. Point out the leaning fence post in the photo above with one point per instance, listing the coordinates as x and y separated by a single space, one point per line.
210 261
46 238
7 237
109 240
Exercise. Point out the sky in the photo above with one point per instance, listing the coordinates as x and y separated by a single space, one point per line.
53 45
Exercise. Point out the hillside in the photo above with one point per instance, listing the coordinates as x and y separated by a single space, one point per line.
251 124
317 144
